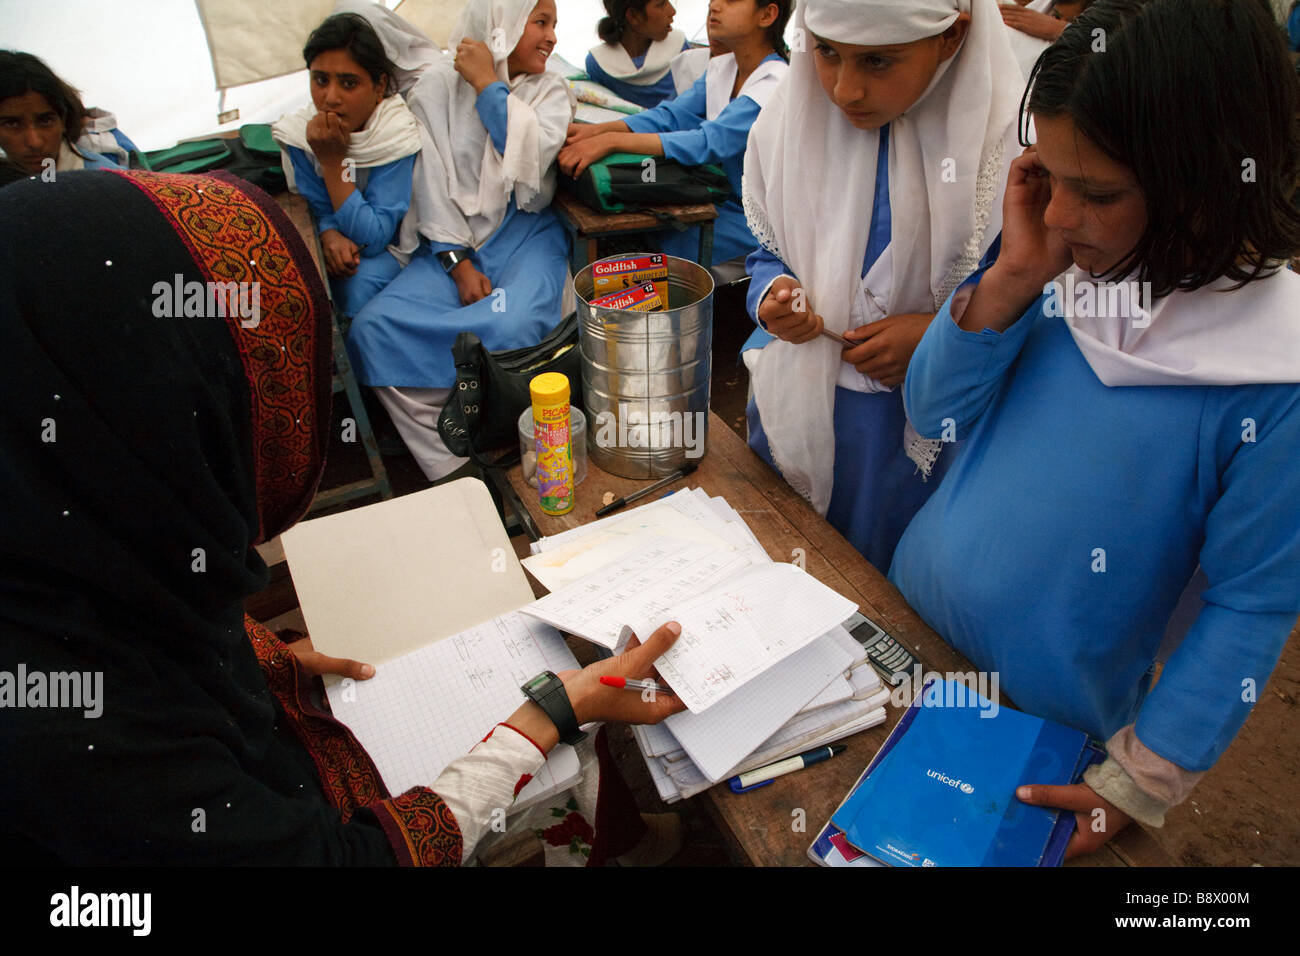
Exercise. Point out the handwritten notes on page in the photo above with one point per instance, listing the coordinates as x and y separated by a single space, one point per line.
644 585
423 710
737 621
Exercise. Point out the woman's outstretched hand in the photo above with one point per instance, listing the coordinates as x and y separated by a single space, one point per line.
592 700
317 663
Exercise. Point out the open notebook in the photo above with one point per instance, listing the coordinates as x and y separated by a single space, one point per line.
425 587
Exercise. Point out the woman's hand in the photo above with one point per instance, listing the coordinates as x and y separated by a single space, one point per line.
1095 820
784 312
342 255
474 62
592 700
1036 24
470 283
886 346
577 156
314 662
327 139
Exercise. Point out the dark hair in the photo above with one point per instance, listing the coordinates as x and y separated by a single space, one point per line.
776 32
612 27
1198 99
351 32
22 73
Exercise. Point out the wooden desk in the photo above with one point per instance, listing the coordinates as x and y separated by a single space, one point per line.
585 225
764 826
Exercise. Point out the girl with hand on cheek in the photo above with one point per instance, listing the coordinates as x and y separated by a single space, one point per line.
872 181
709 123
1125 378
486 253
351 153
635 59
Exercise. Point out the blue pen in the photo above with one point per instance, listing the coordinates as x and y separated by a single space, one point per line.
761 777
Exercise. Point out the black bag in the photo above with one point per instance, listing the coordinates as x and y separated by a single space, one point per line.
491 391
254 157
616 184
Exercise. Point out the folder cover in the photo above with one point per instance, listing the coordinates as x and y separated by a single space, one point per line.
944 794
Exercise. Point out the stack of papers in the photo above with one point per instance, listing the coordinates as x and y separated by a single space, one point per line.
763 664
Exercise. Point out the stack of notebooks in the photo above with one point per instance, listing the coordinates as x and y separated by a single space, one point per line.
428 589
788 676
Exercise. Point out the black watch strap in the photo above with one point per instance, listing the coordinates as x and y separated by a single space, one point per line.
547 692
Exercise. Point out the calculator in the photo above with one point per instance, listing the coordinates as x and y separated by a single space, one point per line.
886 655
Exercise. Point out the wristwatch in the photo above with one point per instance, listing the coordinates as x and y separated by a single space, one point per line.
452 258
547 692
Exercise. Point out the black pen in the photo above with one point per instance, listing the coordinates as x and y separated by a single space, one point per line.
681 472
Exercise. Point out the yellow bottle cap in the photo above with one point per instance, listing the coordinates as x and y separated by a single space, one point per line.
549 388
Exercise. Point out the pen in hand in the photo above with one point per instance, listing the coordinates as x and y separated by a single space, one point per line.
627 683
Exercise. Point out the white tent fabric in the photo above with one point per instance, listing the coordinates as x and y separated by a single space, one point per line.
148 62
253 40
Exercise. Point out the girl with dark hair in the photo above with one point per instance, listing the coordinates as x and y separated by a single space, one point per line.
635 58
707 124
351 153
1125 378
44 126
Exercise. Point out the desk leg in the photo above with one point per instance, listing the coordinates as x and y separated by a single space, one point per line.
706 244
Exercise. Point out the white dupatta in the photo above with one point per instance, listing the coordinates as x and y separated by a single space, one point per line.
1215 335
614 60
809 190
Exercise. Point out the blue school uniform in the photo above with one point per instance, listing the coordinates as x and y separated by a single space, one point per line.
692 139
369 217
876 488
1056 548
648 96
403 337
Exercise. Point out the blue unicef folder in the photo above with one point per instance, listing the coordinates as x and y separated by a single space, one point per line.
942 790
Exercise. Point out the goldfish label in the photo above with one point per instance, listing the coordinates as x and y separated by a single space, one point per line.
613 275
643 298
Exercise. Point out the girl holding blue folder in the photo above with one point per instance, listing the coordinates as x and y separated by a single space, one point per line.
1108 451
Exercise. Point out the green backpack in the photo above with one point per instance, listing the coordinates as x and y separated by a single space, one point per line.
253 156
618 183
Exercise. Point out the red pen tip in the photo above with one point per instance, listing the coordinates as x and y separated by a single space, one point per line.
619 682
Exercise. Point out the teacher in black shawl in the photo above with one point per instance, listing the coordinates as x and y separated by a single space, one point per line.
149 435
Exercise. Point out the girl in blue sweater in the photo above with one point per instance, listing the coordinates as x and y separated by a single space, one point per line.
1125 378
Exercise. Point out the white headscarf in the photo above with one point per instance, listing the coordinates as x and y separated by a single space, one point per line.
409 48
391 133
614 60
809 188
462 184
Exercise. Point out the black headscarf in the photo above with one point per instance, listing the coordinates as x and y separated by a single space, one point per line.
141 455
